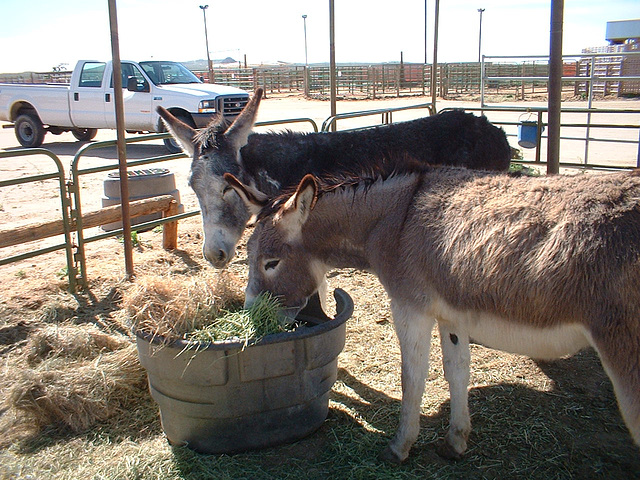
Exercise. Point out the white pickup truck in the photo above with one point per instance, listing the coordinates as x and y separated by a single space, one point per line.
87 104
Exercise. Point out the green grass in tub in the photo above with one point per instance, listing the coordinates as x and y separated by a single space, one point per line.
254 323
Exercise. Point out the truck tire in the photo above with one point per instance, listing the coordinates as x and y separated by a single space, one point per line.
171 143
29 130
85 134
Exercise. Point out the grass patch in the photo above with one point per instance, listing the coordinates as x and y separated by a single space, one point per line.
521 169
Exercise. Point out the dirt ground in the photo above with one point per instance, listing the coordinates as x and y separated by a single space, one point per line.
532 419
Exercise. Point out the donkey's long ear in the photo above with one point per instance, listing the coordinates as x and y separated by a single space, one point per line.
253 198
239 131
182 132
295 211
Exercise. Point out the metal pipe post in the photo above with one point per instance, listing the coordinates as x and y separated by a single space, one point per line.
332 61
121 145
206 40
555 87
434 67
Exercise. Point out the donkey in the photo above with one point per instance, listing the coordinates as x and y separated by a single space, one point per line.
273 161
538 266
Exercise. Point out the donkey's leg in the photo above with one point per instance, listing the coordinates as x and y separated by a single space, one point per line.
619 351
455 359
414 334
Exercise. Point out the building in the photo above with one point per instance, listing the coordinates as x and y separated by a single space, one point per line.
623 36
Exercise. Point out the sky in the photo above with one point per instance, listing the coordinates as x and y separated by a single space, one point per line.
39 35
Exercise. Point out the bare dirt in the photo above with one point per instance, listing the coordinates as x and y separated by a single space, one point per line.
531 419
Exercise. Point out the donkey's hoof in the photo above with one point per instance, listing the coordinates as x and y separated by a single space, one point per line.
390 456
445 450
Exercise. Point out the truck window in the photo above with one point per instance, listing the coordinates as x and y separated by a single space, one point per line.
91 75
162 73
129 70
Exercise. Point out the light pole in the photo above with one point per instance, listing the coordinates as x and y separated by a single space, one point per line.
206 39
425 32
480 10
306 59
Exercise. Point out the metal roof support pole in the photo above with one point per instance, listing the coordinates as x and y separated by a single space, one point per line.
434 67
121 145
555 87
332 61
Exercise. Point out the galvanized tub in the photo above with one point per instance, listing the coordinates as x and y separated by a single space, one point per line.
223 398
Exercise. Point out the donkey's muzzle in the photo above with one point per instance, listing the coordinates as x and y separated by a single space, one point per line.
218 257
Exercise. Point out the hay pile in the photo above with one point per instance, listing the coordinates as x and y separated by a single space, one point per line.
80 378
69 341
204 308
81 394
172 307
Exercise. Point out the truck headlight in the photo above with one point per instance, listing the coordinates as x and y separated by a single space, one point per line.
207 106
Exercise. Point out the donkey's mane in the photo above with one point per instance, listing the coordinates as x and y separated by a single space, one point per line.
210 137
363 178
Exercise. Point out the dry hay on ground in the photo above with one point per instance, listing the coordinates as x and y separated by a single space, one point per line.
69 341
81 378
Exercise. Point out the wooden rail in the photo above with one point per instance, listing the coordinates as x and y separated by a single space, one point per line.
37 231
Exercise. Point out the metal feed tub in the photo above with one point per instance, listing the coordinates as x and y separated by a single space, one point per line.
223 398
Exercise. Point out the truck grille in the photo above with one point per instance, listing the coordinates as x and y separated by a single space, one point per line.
232 106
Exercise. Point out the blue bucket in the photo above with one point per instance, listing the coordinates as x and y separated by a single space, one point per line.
528 134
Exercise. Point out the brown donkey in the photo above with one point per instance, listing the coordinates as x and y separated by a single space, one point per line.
538 266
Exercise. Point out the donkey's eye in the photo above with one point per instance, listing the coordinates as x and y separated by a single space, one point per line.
271 264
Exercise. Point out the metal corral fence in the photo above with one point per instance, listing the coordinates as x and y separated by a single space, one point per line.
73 221
584 75
519 77
63 224
583 130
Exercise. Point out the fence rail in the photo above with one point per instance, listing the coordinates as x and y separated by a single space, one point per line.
586 74
58 175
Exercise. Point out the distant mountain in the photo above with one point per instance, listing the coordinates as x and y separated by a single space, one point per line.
201 64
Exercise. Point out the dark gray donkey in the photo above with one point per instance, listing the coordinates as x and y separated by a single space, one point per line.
273 161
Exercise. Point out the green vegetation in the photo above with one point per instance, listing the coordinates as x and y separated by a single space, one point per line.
524 170
254 323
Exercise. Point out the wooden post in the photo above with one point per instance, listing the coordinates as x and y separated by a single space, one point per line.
170 230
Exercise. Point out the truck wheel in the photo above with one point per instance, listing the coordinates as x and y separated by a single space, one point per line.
85 134
171 143
29 130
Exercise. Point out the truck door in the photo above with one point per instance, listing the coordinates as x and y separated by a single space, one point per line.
137 104
87 97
